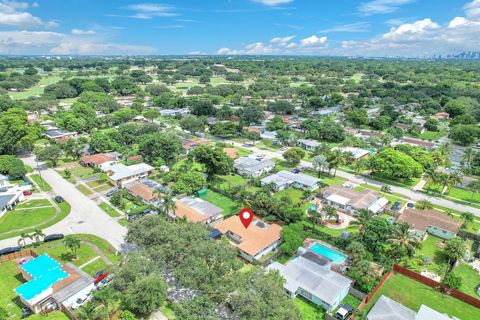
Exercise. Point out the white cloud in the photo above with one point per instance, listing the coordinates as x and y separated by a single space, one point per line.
416 29
313 41
472 9
282 39
272 3
151 10
76 46
171 26
381 6
350 27
80 32
12 14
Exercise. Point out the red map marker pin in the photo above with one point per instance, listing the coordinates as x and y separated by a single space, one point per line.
246 216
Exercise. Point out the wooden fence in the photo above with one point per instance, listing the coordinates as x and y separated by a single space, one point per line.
18 255
372 293
437 285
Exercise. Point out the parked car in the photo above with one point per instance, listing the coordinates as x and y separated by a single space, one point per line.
9 250
111 193
105 281
344 312
411 205
59 199
26 312
99 276
396 206
53 237
27 193
296 170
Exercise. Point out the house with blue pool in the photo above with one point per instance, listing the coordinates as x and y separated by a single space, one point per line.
50 285
310 276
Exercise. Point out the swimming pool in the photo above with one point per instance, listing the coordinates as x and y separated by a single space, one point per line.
329 253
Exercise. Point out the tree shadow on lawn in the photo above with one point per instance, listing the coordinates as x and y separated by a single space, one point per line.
67 257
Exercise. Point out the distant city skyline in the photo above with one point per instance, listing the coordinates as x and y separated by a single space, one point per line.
409 28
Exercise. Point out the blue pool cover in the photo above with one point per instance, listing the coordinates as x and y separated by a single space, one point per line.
45 272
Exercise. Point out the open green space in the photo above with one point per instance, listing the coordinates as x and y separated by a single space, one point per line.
326 178
58 251
413 294
333 232
227 182
11 278
83 189
470 279
24 218
297 196
64 211
109 210
432 135
41 182
95 266
34 203
228 205
82 172
36 90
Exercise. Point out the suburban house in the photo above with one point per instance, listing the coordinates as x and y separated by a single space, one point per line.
51 285
60 135
96 160
308 145
357 153
251 167
121 174
191 144
9 200
350 201
465 181
365 134
386 308
231 152
271 135
441 116
431 221
286 179
311 277
197 210
146 189
418 143
254 242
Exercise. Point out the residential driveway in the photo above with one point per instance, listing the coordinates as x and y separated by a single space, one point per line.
85 216
412 195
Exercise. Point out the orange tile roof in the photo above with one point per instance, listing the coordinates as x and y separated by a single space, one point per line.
231 152
254 239
142 191
190 214
96 159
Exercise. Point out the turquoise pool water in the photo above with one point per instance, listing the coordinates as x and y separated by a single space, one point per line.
331 254
45 272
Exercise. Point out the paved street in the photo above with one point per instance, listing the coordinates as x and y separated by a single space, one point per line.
412 195
85 217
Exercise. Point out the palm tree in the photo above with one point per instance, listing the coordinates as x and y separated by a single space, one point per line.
38 234
73 243
314 216
402 238
169 205
467 217
474 188
468 156
363 217
445 149
320 163
107 297
424 204
336 159
22 240
450 180
329 212
359 166
322 149
454 249
431 177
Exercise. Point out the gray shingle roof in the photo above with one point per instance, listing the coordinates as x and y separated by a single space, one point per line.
202 206
251 164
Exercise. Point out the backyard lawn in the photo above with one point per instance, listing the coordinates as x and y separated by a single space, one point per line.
228 205
83 189
34 203
296 195
470 279
432 135
308 310
41 183
82 172
11 279
227 182
413 294
333 232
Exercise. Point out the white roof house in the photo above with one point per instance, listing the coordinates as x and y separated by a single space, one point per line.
251 167
357 153
285 179
311 277
121 173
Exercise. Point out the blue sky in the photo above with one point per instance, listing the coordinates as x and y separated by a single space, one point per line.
303 27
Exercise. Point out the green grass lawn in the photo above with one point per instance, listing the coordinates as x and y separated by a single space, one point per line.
293 194
413 294
58 251
464 195
431 250
95 266
84 190
11 279
41 182
82 172
22 218
227 182
327 178
399 183
432 135
103 245
242 152
333 232
308 310
36 90
228 205
65 210
34 203
470 279
283 165
109 210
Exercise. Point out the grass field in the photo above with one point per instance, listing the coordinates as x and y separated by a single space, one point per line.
23 218
470 279
432 135
34 203
295 195
36 90
308 310
228 205
11 279
227 182
109 210
65 210
413 294
41 182
83 189
82 172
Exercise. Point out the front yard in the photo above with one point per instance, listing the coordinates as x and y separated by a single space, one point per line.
40 182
